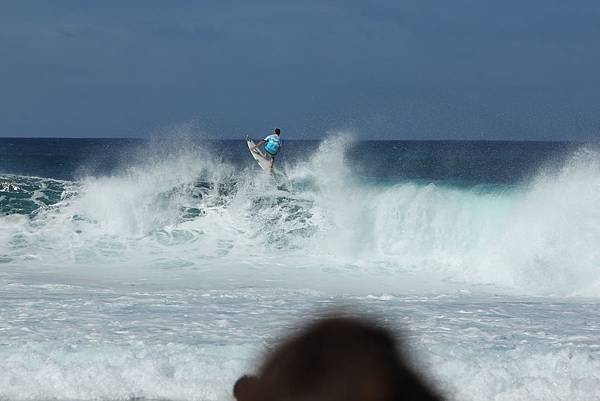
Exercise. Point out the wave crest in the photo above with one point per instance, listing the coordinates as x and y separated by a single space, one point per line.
188 210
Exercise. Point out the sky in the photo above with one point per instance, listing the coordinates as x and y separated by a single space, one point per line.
379 69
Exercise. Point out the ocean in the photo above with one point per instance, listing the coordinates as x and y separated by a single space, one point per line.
164 268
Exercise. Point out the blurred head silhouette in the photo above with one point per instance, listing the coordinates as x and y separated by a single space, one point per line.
335 359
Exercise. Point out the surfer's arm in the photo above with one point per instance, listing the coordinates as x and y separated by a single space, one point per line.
262 141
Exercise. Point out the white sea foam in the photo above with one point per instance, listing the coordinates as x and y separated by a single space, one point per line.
72 372
520 374
187 211
85 342
44 371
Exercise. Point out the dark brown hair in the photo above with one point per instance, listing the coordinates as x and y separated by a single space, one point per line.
336 359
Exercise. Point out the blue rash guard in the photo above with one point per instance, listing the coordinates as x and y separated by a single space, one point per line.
273 144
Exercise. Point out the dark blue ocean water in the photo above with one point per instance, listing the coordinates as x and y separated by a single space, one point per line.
457 162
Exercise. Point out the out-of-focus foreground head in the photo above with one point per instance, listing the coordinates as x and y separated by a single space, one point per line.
336 359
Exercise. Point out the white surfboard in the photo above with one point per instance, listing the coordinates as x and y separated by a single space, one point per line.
258 155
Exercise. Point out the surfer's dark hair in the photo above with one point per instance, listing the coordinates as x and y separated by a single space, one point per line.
277 131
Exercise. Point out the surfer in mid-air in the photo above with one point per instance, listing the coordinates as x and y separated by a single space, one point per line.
272 145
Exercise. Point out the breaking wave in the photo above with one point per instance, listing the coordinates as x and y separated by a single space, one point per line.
199 217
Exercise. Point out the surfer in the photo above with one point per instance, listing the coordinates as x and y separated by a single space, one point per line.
273 144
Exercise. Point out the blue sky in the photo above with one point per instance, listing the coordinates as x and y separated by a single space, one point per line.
416 69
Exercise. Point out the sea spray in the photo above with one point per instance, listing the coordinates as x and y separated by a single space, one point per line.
185 208
169 274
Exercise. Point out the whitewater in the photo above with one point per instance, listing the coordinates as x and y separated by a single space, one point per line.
168 275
